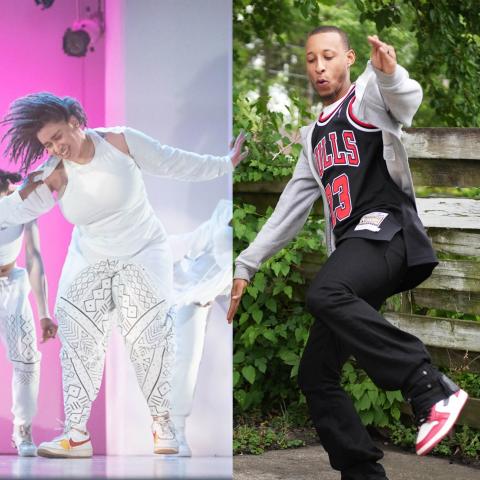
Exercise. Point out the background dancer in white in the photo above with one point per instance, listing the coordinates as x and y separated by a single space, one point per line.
200 276
118 257
17 328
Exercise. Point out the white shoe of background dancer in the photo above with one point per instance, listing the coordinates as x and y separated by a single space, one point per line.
22 441
164 439
183 447
71 444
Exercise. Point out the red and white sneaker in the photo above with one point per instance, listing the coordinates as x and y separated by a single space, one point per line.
441 419
72 444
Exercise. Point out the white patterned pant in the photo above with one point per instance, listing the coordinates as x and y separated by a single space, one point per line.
17 330
145 320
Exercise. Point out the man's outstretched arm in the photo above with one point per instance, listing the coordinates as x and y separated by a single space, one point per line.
400 95
286 221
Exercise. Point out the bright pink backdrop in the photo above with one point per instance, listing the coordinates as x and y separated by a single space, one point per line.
32 60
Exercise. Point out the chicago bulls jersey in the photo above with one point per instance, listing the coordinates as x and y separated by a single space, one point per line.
363 199
348 156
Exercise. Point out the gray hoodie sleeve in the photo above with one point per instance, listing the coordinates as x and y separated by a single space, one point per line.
395 93
402 95
286 221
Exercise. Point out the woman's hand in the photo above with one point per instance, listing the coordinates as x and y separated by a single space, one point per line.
49 329
30 184
382 56
236 147
238 289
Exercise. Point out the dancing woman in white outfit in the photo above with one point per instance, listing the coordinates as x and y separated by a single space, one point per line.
17 328
118 258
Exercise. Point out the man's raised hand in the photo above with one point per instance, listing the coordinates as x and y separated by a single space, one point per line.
382 56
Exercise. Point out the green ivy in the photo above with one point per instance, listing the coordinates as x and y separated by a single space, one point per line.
272 326
375 406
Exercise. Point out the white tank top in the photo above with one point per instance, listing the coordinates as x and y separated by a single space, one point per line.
10 244
107 202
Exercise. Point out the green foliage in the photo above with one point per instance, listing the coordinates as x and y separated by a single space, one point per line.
438 42
448 58
255 440
463 443
272 326
375 406
273 433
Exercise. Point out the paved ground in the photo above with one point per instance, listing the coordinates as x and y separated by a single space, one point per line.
311 463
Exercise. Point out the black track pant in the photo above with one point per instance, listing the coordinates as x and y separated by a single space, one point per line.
344 298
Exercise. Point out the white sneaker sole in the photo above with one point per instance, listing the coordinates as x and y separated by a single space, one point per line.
166 451
61 453
462 399
27 454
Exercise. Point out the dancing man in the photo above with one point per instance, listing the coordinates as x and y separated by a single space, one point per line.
353 158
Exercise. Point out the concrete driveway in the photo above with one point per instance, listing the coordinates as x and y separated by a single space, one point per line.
311 463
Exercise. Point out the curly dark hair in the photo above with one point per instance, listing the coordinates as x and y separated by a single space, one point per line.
27 115
6 178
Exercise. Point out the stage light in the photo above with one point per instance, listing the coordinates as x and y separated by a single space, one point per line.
82 36
44 3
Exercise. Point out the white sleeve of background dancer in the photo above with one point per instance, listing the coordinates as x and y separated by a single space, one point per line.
286 221
162 160
15 211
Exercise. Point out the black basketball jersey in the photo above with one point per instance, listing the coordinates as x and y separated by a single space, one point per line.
348 155
363 199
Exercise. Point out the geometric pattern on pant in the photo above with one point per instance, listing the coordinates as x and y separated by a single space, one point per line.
17 330
146 324
21 340
22 351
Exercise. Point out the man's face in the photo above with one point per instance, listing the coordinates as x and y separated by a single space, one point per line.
328 63
62 139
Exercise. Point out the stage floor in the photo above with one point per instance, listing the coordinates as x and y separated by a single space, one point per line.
117 467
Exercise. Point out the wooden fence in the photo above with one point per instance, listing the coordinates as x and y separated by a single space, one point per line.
439 157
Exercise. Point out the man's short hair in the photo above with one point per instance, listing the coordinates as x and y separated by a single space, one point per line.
330 28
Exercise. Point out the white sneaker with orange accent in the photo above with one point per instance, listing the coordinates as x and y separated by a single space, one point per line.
164 439
72 444
441 419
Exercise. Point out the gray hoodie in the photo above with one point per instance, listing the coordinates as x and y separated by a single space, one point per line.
386 101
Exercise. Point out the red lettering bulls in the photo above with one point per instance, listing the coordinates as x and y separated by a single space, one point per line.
348 156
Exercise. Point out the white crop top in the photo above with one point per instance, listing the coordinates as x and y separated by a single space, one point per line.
10 244
106 198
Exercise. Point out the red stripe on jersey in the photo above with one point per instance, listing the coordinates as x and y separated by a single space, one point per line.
355 118
324 119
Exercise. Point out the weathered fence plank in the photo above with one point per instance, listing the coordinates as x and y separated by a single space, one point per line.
466 243
465 302
449 212
442 143
441 172
439 332
458 275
